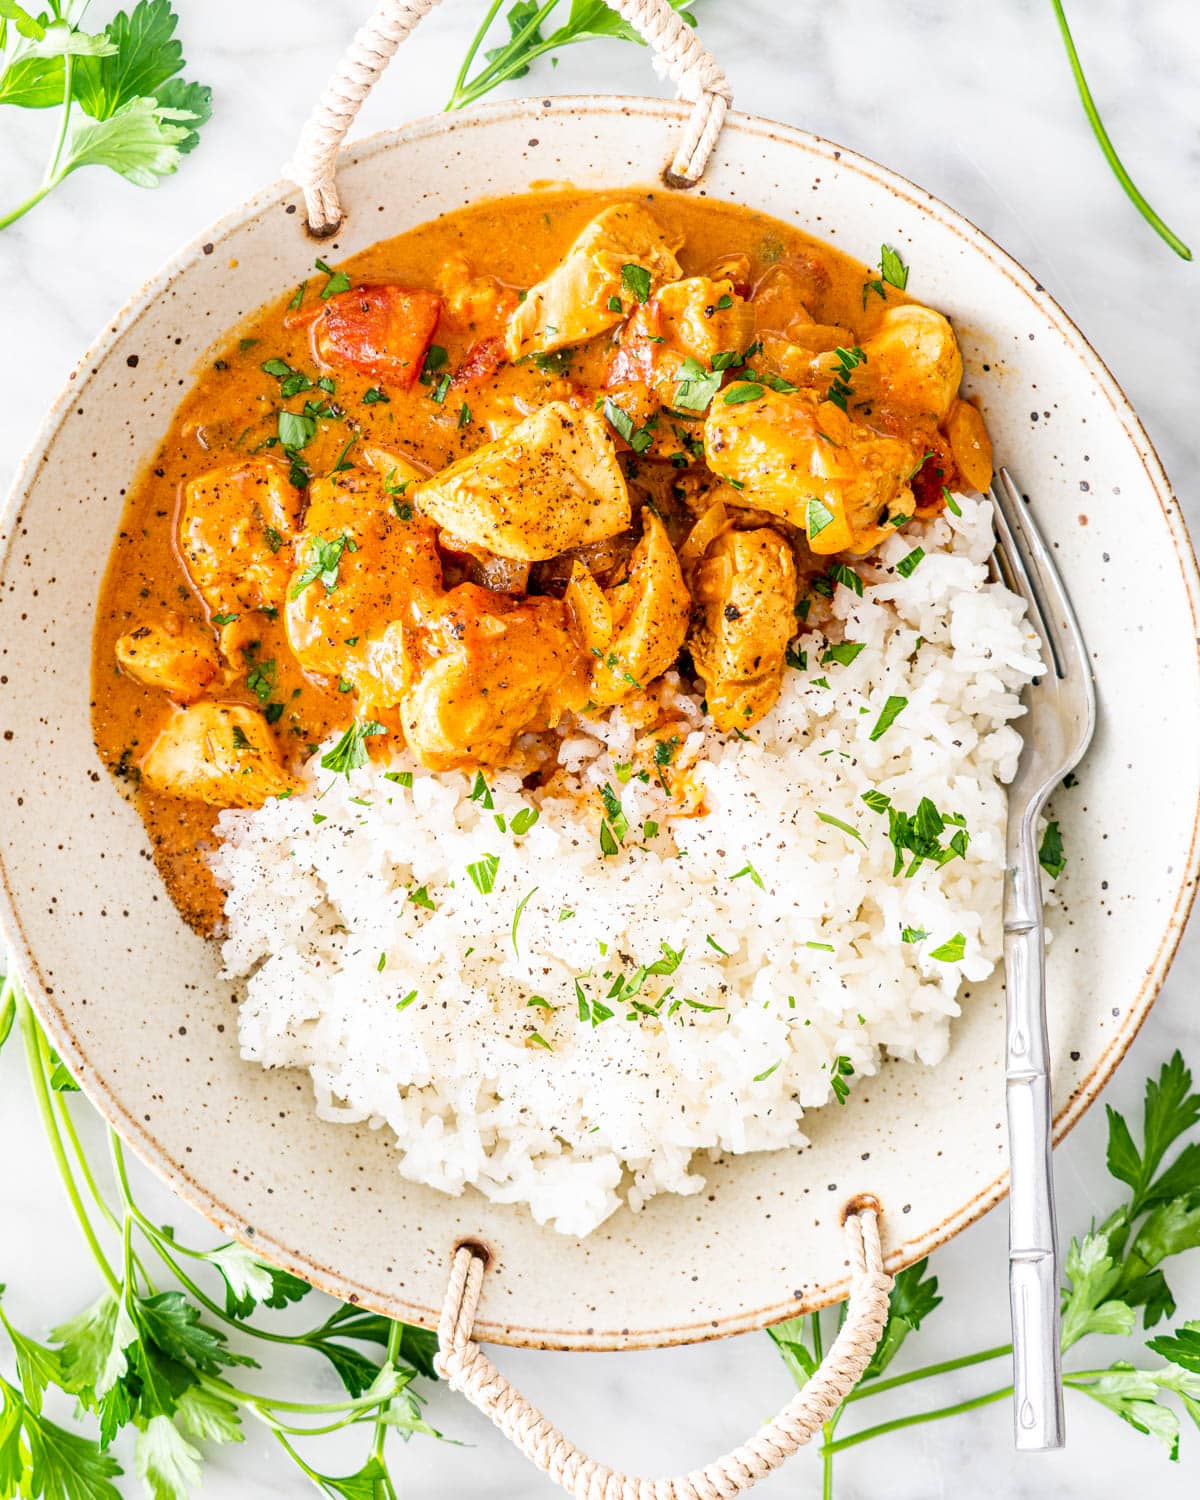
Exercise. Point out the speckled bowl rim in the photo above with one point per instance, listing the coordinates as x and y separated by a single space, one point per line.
615 108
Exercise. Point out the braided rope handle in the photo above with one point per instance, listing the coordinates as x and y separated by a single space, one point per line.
696 76
469 1371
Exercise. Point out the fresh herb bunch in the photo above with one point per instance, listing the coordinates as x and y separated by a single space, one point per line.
157 1359
141 118
593 18
1114 1274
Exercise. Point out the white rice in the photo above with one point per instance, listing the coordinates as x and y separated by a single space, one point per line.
815 968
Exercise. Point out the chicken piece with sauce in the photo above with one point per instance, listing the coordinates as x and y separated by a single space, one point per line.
367 571
634 630
219 753
805 460
235 529
552 482
492 669
173 655
590 290
746 588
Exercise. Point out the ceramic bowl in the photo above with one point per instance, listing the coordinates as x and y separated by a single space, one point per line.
133 1001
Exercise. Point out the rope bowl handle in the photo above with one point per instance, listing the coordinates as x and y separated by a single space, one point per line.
688 64
469 1371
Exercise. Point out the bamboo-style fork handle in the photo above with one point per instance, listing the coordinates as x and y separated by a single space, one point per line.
1058 727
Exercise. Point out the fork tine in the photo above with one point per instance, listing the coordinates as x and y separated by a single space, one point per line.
1017 555
1055 610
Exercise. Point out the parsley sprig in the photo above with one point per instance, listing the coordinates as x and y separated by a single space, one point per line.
141 118
1114 1275
156 1354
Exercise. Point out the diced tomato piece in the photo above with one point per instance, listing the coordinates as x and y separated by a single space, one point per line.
381 331
482 359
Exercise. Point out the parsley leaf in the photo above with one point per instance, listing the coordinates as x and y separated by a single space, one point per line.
636 281
324 560
1050 855
893 269
350 752
891 711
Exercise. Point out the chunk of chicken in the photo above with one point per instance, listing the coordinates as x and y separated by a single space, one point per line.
235 529
912 362
219 753
586 294
479 304
379 331
803 459
786 294
969 444
493 670
634 631
550 483
696 318
746 585
172 655
366 574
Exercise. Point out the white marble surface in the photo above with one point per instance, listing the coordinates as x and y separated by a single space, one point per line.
974 103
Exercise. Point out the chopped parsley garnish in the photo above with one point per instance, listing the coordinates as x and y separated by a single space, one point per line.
350 752
436 359
952 504
912 934
540 1002
223 618
464 415
893 269
724 302
240 742
483 873
382 964
638 438
343 462
440 390
375 395
536 1039
848 361
952 950
636 281
614 825
843 652
820 947
298 296
517 915
664 754
615 304
840 1071
794 657
297 428
274 538
524 820
421 897
697 386
324 560
766 1072
337 283
817 517
746 390
892 710
402 778
847 577
920 833
407 1001
1050 855
845 827
907 566
261 680
481 792
291 382
712 943
748 869
649 829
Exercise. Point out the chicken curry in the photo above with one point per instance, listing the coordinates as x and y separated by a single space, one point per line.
512 465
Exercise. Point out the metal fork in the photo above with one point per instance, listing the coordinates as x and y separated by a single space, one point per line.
1057 729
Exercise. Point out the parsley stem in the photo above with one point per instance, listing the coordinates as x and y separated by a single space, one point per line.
926 1372
8 1008
510 58
23 208
395 1333
50 177
896 1423
476 43
35 1045
1106 145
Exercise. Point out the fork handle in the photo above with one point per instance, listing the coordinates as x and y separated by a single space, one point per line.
1032 1238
